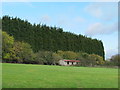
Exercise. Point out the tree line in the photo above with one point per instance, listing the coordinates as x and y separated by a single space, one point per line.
21 52
46 38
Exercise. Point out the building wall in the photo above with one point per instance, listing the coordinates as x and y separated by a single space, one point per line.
70 63
61 62
74 63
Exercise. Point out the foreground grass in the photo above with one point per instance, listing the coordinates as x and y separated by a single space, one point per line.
0 75
43 76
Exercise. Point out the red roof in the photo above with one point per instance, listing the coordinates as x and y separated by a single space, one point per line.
72 60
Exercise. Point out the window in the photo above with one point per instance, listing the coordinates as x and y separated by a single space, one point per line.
68 62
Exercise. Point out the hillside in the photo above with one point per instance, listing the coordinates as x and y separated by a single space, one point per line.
47 38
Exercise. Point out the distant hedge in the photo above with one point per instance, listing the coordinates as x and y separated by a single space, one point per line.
47 38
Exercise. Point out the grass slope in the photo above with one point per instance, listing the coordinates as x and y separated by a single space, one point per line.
43 76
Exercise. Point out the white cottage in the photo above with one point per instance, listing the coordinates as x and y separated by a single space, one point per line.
68 62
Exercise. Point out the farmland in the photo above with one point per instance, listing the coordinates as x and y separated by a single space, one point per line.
46 76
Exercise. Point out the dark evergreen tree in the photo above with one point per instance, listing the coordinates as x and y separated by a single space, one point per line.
47 38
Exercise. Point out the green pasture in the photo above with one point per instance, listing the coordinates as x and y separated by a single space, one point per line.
45 76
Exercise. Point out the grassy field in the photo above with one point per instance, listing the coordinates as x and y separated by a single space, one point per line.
44 76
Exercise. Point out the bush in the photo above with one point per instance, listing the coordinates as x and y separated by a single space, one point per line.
7 47
22 52
115 59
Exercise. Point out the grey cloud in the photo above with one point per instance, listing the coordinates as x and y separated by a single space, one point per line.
99 28
45 19
94 9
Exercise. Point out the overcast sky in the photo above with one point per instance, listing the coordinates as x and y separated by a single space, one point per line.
97 20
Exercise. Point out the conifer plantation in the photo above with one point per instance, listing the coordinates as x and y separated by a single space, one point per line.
48 38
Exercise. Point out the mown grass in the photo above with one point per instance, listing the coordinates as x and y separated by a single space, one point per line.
45 76
0 75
